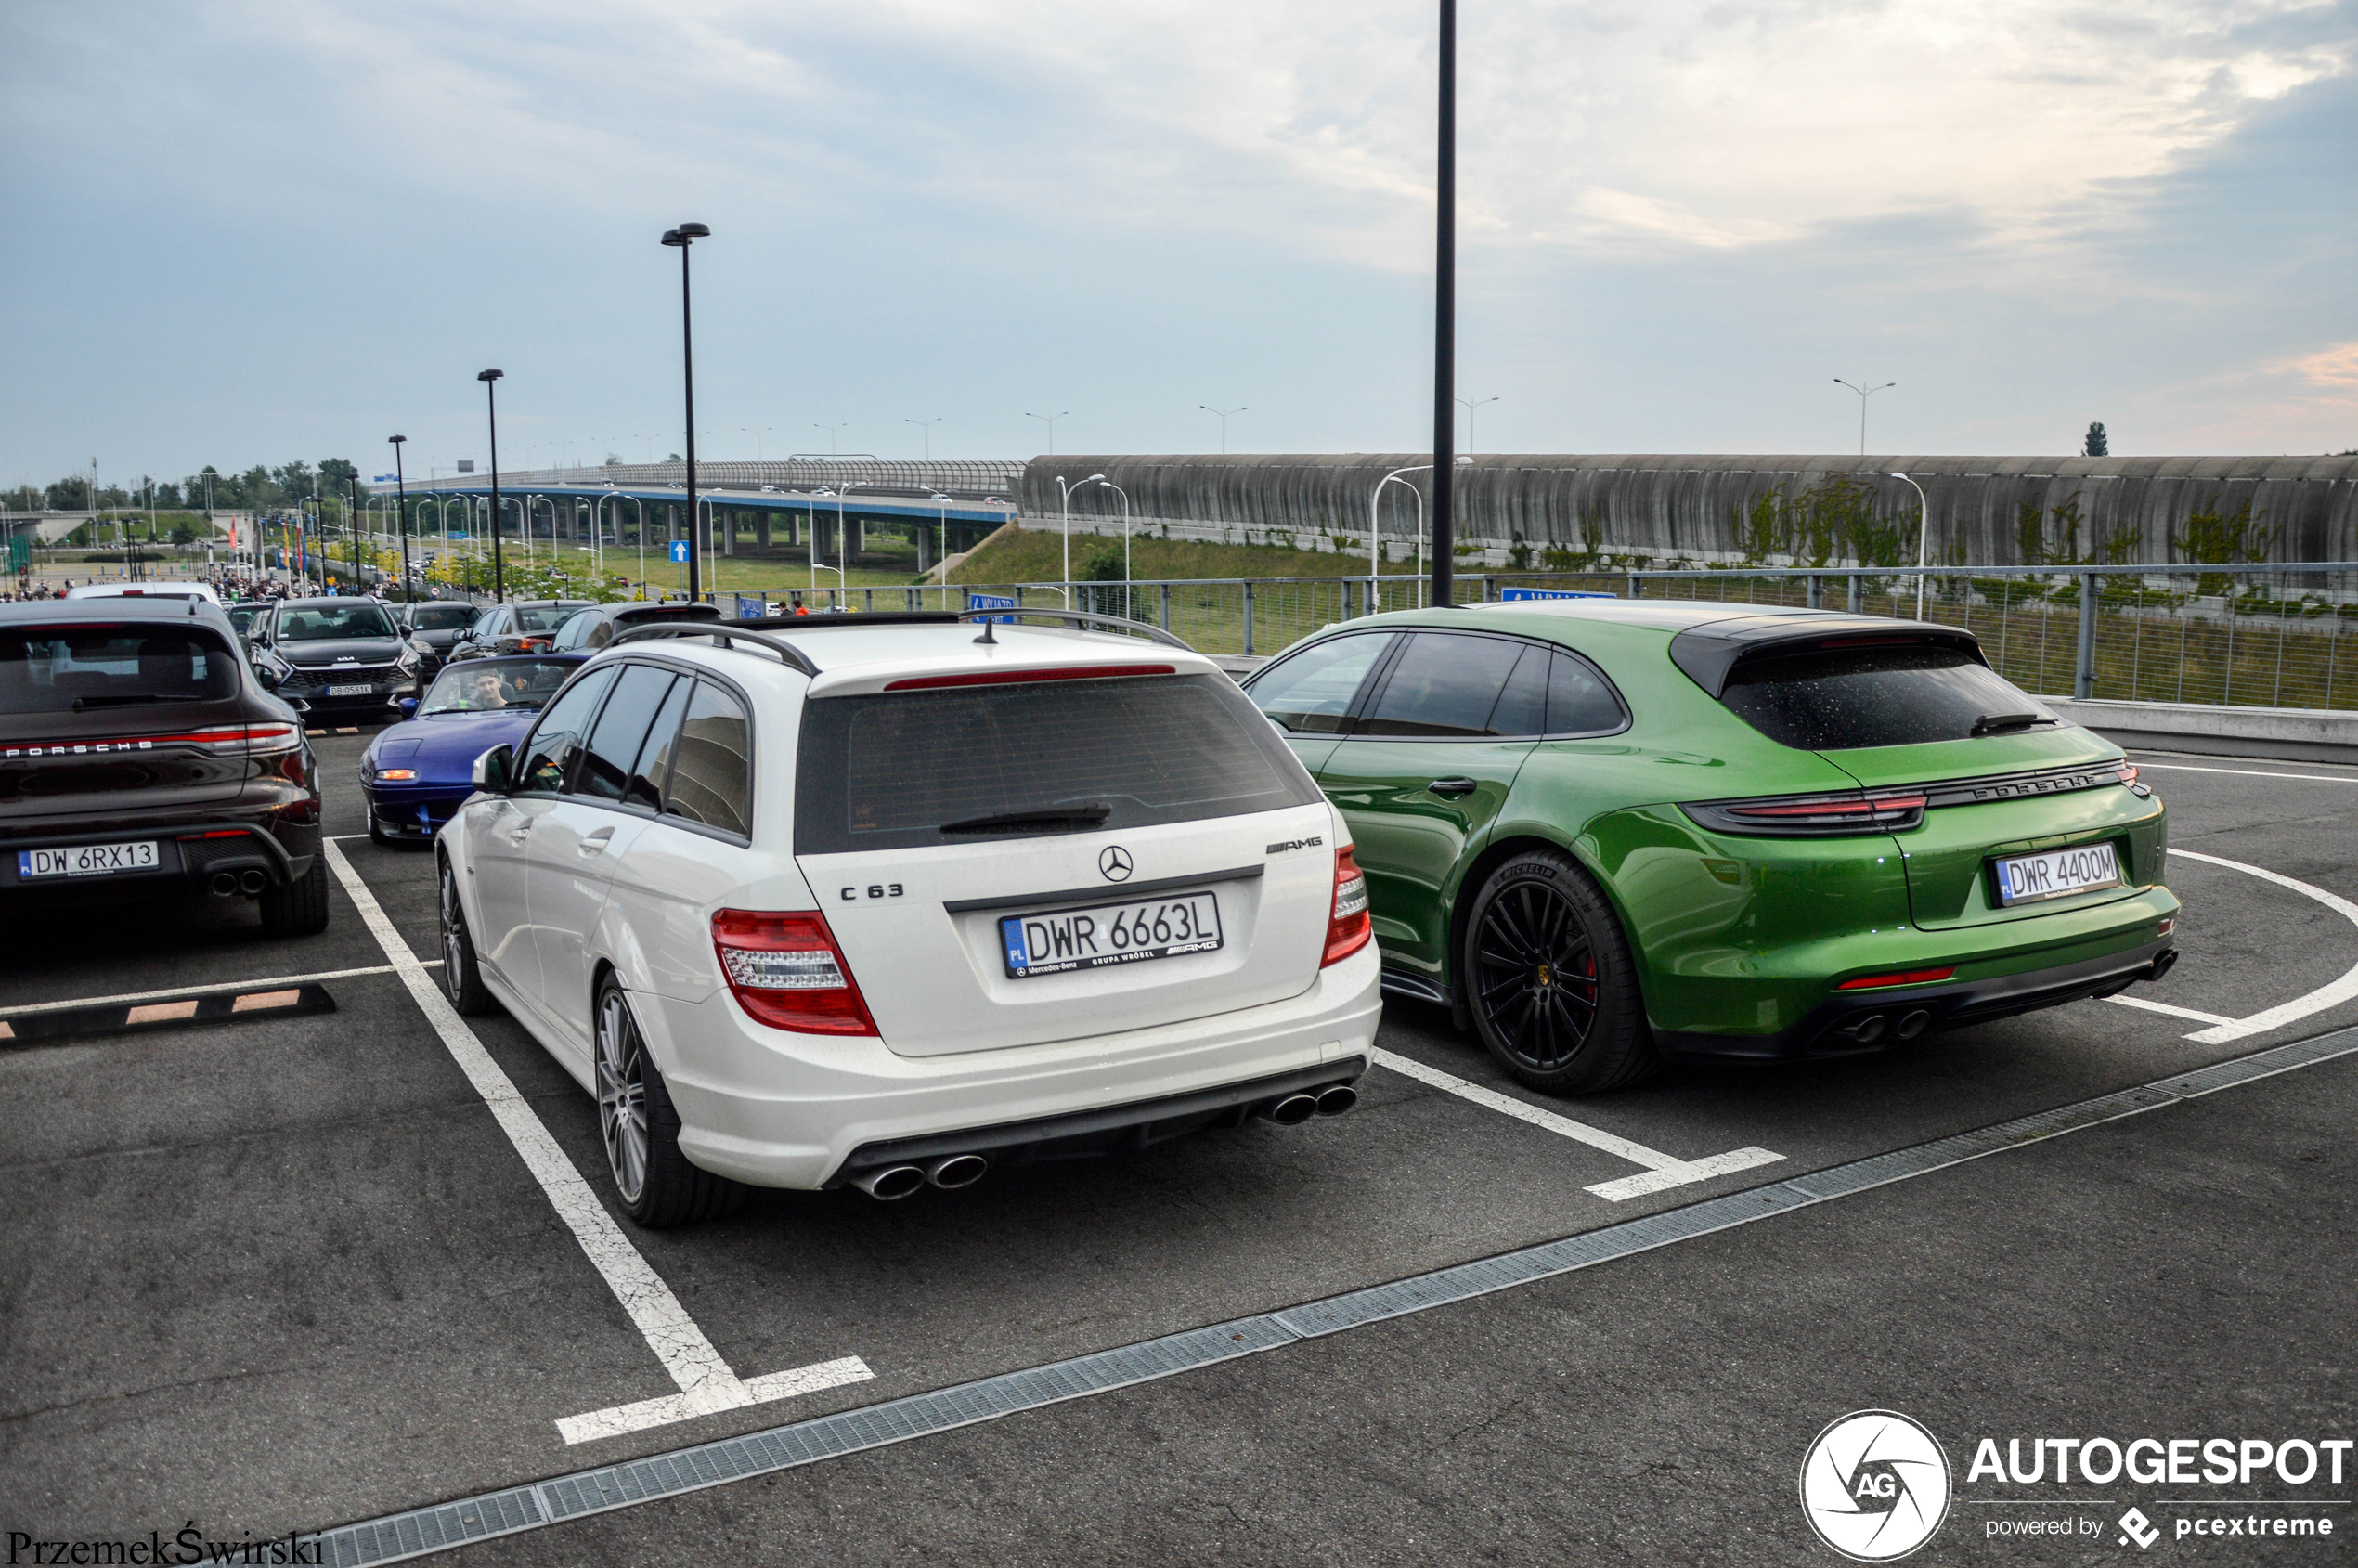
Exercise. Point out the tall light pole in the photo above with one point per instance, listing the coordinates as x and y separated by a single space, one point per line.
1051 420
1068 490
682 238
491 408
926 425
401 488
831 429
1864 392
1125 540
843 542
757 431
1224 414
1924 538
1444 318
942 501
1375 534
1469 405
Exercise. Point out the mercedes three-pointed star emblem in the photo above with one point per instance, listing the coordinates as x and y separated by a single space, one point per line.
1114 863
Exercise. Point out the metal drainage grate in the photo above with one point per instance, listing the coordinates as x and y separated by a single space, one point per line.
849 1431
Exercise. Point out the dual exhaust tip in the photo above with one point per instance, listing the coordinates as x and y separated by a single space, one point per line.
1872 1029
951 1171
1293 1111
888 1182
229 884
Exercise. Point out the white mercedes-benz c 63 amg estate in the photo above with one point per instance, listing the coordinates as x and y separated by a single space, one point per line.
884 901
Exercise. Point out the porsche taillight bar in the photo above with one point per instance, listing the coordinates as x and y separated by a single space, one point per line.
1889 811
220 740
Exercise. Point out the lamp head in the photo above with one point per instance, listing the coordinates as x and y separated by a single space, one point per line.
490 375
396 440
693 231
1093 478
671 236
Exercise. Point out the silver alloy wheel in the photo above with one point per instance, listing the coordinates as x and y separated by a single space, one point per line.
622 1095
454 938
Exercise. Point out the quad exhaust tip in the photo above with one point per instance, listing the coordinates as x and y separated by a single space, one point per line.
1869 1029
1915 1024
889 1181
955 1170
1293 1111
225 884
1336 1099
252 882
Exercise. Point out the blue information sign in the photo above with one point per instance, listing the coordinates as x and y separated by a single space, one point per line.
992 602
1511 594
680 551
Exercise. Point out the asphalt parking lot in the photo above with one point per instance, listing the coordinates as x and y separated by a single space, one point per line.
293 1273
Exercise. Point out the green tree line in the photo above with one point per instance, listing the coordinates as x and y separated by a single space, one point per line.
259 488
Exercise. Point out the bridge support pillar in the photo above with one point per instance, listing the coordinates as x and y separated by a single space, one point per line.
859 535
729 520
925 549
761 532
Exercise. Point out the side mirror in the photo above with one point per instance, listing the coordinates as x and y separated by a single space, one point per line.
491 771
267 674
408 706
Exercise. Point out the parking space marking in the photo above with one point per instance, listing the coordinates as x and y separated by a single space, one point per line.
632 1483
1663 1170
2317 1001
707 1385
30 1008
2143 1006
2249 773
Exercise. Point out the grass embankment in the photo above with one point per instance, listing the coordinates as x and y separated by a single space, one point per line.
1031 555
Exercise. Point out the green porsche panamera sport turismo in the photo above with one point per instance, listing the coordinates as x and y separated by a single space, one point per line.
1611 832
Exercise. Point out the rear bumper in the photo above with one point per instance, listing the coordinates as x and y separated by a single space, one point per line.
192 854
1857 1022
772 1109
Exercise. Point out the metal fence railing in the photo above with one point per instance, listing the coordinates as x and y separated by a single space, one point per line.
2237 634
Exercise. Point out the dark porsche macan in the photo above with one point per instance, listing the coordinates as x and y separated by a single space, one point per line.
139 756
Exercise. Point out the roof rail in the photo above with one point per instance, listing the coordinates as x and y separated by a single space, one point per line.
725 635
1082 618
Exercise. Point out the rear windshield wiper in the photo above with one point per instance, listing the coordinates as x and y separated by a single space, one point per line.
133 699
1996 723
1081 813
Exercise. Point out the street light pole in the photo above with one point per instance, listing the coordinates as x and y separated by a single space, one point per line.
491 408
1125 541
1924 538
1051 420
686 235
1375 534
1224 414
926 425
1864 392
1470 405
1444 318
1068 490
401 488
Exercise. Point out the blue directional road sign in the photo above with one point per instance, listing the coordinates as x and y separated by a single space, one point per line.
992 602
680 551
1511 594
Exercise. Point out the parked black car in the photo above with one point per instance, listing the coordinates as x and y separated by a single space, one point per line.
587 630
517 627
340 657
140 755
436 628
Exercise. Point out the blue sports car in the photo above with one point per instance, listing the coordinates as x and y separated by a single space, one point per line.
416 773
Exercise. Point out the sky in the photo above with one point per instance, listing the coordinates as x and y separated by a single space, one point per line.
245 231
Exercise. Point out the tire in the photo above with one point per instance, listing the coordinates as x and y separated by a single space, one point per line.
1547 975
376 835
299 909
654 1181
462 977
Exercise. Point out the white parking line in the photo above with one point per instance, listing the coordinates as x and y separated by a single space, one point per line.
2248 772
707 1384
1663 1170
2143 1006
2317 1001
204 990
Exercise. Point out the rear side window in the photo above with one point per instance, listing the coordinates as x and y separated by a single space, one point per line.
542 617
83 669
1311 693
1841 699
556 740
653 766
963 764
621 731
710 778
1579 702
573 632
1446 684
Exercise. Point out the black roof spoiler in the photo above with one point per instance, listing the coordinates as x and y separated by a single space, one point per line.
1707 653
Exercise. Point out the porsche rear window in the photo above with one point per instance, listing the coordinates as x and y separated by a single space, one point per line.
82 668
1843 699
896 769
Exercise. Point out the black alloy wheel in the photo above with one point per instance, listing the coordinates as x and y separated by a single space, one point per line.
1548 977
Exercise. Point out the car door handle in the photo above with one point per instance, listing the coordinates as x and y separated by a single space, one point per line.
1453 786
521 832
596 843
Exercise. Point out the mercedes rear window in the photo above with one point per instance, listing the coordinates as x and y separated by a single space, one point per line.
1843 699
965 764
84 668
